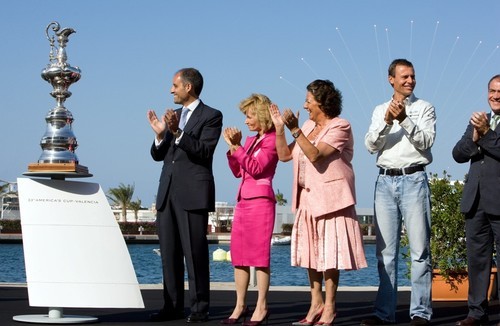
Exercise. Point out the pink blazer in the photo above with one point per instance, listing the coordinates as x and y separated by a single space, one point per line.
329 182
255 162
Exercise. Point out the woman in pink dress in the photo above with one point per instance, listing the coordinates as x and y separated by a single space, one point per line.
255 163
326 236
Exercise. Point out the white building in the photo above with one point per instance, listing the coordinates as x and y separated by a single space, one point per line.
143 215
221 219
10 203
10 207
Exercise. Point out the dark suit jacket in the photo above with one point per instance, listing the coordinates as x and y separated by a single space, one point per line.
187 167
484 171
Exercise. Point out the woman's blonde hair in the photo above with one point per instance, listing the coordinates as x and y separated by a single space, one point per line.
258 104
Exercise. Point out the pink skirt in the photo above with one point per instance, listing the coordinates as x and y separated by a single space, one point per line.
251 232
333 241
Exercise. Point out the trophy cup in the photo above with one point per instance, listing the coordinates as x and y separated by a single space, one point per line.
59 143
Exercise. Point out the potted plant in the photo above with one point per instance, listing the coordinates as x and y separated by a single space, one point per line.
448 247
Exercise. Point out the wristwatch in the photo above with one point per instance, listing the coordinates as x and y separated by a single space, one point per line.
178 133
296 134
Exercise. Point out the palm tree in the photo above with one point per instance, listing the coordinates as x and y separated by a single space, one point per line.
280 200
122 197
135 206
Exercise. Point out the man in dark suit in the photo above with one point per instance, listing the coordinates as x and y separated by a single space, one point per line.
480 202
185 141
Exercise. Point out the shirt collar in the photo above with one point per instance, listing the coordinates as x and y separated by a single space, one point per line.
409 100
193 105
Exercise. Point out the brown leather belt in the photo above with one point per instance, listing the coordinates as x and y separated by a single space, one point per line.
402 171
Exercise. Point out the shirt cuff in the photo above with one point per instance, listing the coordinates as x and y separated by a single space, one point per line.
407 124
177 140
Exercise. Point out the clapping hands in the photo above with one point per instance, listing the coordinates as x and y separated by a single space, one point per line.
232 136
170 121
288 119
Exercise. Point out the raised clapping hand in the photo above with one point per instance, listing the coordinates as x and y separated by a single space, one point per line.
276 117
158 126
232 136
395 111
172 120
288 118
479 120
291 121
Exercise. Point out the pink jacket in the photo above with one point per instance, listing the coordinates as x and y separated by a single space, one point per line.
330 181
256 166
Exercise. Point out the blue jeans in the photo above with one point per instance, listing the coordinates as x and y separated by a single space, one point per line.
397 199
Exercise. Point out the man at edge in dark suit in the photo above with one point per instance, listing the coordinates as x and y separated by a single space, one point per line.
185 141
480 203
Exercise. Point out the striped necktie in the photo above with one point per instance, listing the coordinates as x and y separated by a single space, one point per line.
494 121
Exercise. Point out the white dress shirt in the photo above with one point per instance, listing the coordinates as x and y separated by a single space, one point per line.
403 144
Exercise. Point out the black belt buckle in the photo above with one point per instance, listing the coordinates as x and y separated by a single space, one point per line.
402 171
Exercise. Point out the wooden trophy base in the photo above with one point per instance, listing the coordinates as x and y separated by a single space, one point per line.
58 170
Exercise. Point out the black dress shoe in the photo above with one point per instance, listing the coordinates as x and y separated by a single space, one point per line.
469 321
164 315
197 317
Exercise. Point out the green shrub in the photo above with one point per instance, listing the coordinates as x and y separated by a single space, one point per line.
286 228
11 226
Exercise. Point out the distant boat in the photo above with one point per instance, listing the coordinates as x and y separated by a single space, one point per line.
281 241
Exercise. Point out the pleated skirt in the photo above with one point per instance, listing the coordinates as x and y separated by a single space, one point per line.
333 241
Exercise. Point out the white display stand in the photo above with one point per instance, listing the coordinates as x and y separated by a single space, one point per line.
74 251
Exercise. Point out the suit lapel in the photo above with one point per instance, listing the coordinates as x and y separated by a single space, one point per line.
255 144
252 143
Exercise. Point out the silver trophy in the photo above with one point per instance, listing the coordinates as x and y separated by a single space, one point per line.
59 142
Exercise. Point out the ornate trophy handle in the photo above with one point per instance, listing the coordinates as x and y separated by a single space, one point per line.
55 28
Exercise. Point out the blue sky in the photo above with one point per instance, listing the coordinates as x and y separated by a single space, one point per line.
129 50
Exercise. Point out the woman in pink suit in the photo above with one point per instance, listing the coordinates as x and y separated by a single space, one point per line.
326 236
255 163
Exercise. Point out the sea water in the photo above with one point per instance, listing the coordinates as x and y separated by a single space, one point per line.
147 265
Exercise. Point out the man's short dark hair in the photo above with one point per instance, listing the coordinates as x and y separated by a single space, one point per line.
192 76
398 62
492 79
